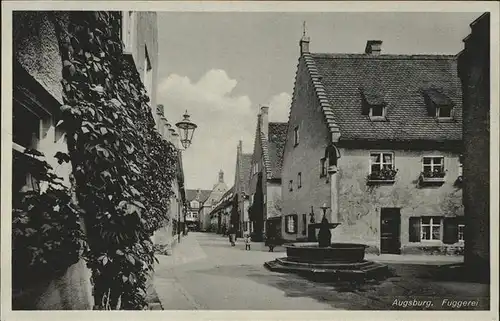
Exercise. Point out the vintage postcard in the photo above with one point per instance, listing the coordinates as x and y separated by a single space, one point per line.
250 160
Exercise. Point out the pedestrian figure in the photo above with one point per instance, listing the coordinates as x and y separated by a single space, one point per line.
247 241
232 235
271 241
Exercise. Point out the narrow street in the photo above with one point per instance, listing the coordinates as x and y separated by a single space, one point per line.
206 273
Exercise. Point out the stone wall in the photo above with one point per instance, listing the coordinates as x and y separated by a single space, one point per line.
305 157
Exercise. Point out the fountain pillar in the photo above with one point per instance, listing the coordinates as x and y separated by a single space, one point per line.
334 199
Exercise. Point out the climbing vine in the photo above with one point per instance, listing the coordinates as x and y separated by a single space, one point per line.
47 235
122 166
122 172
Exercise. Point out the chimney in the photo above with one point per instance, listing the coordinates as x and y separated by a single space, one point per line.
304 45
221 176
264 120
373 47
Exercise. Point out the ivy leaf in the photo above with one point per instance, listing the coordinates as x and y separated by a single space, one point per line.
104 131
104 261
124 278
119 252
85 130
132 278
130 258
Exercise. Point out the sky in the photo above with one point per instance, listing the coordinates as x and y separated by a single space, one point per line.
221 67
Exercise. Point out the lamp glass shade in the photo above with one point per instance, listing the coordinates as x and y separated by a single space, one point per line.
186 130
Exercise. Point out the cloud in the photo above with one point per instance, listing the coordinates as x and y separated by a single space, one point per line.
279 107
222 118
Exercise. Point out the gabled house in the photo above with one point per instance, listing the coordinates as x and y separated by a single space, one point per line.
241 189
377 140
265 176
222 212
209 204
195 198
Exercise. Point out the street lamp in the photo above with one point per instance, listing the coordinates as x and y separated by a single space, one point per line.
324 208
186 131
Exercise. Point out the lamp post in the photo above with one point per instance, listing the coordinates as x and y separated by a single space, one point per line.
186 131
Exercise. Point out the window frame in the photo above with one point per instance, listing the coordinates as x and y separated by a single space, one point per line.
461 240
291 219
290 185
381 154
432 162
439 108
299 180
376 117
431 225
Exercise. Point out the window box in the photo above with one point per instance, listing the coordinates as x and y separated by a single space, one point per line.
432 177
384 175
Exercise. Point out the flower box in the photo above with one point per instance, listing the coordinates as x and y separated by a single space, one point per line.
384 176
432 177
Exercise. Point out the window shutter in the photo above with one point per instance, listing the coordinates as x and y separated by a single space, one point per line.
414 229
450 234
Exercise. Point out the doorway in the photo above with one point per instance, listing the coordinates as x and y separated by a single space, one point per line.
390 230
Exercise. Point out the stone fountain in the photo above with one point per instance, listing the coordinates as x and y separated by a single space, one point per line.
340 261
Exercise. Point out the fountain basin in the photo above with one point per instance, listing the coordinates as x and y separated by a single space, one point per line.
340 261
336 253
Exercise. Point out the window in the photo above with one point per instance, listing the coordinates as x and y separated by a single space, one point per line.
431 229
461 229
195 204
290 185
304 224
291 224
381 161
444 112
433 164
296 136
377 111
299 180
322 167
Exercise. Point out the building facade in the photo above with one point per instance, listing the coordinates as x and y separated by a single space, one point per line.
37 98
209 204
265 176
195 199
474 70
241 189
222 212
376 139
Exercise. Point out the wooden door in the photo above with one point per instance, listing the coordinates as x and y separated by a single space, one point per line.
390 231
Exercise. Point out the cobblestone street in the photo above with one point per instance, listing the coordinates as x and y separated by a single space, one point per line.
206 273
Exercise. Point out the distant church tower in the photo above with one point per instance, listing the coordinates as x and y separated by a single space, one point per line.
221 176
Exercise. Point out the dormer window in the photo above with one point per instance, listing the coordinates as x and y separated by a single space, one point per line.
439 105
377 112
374 104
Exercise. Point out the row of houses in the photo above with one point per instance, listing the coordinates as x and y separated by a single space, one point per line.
37 98
383 144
